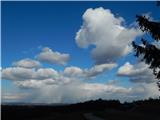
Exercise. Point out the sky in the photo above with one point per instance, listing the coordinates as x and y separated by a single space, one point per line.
68 52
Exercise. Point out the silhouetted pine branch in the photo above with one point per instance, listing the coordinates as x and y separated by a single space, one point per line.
149 52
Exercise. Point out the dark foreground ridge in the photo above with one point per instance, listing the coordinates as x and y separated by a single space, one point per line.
102 109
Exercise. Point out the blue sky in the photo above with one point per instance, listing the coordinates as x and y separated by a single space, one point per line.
28 27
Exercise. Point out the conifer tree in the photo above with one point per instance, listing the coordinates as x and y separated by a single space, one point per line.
150 51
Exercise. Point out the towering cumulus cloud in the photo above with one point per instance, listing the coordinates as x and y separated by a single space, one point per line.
105 31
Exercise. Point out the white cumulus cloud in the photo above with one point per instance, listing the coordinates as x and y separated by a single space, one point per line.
50 86
88 73
19 74
137 73
27 63
73 71
78 91
105 31
53 57
98 69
